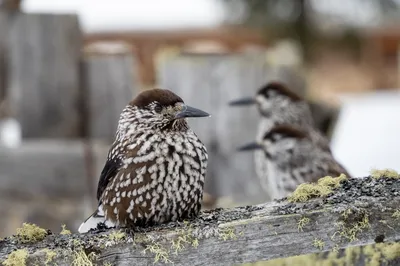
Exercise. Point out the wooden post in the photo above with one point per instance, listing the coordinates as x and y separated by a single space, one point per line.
110 85
209 82
44 74
3 50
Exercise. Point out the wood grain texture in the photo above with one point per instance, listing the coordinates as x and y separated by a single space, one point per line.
44 74
110 83
243 234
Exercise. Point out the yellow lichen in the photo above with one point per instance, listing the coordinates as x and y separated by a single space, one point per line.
75 242
30 233
140 238
345 214
388 173
318 243
227 233
350 231
335 249
302 222
50 255
381 252
295 260
116 236
80 258
391 250
16 258
396 214
373 255
195 243
64 230
159 252
333 182
184 237
352 254
324 187
179 244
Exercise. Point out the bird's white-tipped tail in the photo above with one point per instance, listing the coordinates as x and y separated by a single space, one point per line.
94 220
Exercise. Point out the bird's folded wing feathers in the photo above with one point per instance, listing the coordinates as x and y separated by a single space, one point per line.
110 170
94 220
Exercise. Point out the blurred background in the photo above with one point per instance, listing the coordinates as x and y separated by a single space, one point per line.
68 67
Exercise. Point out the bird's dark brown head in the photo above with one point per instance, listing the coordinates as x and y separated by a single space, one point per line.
160 96
269 91
275 88
159 108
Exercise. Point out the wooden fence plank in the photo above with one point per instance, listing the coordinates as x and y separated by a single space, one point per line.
359 212
209 82
110 83
42 182
45 182
44 74
53 169
48 168
3 50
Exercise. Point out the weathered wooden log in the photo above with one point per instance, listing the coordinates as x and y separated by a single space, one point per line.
358 212
43 74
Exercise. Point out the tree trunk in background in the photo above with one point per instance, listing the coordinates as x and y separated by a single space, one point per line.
303 30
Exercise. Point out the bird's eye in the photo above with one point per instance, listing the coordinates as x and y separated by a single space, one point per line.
158 108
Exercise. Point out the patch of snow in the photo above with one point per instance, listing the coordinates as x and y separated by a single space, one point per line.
367 132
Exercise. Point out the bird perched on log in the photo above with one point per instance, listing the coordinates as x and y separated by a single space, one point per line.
156 166
292 158
277 105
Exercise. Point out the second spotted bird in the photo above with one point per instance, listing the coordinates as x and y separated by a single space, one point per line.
278 105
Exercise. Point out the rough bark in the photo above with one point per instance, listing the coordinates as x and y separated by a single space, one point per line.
359 212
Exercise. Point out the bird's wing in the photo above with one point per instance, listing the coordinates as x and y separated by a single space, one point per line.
109 171
111 168
321 140
326 165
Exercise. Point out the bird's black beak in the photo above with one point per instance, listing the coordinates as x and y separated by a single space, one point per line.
244 101
250 147
188 111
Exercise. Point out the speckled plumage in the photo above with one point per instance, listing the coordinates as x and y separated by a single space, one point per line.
156 166
292 158
278 105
